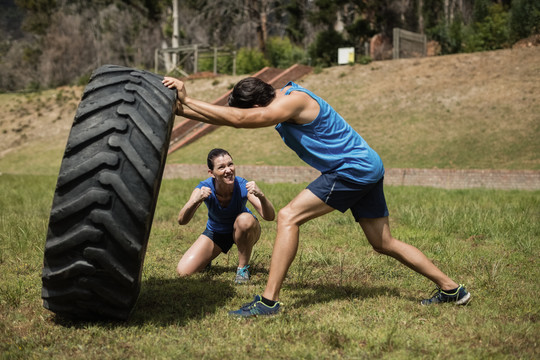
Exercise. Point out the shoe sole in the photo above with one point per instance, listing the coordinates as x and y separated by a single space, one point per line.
464 300
236 316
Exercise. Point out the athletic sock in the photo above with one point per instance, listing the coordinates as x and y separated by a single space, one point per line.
452 291
268 302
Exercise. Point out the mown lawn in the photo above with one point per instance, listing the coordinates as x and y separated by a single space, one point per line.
342 300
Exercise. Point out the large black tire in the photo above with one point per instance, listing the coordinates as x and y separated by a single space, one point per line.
106 194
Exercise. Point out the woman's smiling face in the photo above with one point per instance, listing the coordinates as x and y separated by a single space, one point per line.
223 170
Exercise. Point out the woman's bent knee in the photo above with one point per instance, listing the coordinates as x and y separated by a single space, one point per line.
245 221
180 272
183 270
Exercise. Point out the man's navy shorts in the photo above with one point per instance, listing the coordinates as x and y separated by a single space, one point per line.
364 200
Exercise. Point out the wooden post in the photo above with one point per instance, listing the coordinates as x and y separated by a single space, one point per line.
175 36
395 50
234 63
215 60
196 58
156 60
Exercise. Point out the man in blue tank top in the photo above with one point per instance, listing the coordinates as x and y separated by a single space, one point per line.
351 178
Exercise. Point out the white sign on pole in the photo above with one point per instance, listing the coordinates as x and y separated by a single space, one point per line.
345 55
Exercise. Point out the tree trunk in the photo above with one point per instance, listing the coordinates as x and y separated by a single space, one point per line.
175 42
166 56
446 12
259 8
421 16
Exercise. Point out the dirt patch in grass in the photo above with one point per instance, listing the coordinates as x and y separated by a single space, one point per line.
30 117
36 116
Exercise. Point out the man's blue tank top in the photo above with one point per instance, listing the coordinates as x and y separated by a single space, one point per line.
330 144
222 219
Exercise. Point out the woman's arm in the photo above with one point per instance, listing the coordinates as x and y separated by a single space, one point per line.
260 202
195 200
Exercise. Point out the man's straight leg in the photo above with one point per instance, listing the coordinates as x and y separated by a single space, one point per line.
378 234
305 206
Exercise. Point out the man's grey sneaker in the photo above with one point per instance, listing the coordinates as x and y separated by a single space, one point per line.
256 308
242 275
459 297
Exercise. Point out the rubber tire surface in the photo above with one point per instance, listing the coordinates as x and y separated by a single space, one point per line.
106 195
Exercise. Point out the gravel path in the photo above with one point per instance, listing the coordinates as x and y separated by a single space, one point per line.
439 178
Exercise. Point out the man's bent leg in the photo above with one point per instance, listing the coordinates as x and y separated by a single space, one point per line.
305 206
378 234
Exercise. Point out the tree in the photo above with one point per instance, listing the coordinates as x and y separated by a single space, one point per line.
490 33
324 49
296 25
66 39
38 14
524 19
480 10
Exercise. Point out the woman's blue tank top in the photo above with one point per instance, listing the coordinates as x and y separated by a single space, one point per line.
221 219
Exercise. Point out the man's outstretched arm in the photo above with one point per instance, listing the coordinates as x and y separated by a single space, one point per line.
278 111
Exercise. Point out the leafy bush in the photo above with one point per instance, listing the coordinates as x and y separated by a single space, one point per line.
224 63
449 37
489 34
249 61
524 19
282 53
324 49
364 60
490 31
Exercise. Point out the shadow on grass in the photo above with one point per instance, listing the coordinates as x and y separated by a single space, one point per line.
330 292
168 301
164 302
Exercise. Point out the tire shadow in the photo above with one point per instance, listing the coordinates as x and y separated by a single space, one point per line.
166 301
175 301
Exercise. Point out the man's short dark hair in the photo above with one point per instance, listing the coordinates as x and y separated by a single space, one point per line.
251 91
214 153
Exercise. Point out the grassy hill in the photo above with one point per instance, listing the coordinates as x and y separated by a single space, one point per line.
466 111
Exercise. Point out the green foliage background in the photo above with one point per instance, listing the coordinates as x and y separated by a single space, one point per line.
49 43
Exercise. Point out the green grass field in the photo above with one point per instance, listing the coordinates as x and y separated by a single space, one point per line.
342 300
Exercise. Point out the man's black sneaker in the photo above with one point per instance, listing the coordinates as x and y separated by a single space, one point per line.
459 297
256 308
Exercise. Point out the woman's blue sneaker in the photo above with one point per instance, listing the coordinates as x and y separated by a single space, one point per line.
459 297
242 275
256 308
